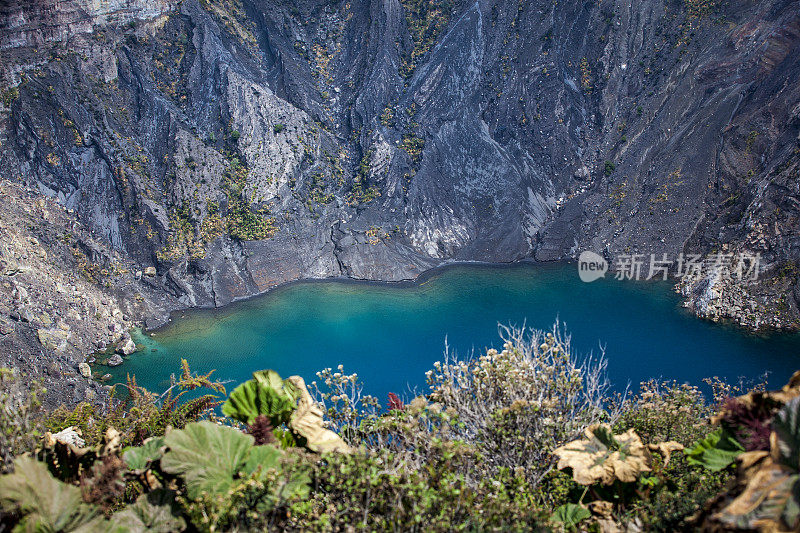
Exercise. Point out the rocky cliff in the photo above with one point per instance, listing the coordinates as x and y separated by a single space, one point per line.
232 145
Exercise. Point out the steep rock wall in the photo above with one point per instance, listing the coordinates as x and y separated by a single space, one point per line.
236 144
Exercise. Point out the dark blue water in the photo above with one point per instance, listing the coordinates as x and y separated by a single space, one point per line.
391 334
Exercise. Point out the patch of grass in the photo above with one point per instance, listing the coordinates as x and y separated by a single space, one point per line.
413 146
360 193
586 75
9 95
425 20
242 222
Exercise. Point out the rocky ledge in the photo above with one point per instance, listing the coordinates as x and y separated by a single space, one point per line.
756 304
63 297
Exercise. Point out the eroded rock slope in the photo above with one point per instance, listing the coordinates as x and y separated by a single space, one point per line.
235 144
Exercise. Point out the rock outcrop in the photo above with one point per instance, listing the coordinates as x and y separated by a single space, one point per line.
63 295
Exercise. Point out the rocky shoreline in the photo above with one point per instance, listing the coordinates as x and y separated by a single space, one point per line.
71 301
762 305
64 296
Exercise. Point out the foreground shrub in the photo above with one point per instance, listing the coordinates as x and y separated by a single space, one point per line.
138 413
665 411
41 502
519 404
20 417
477 453
378 492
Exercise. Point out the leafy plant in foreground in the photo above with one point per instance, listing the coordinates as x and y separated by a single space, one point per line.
206 456
462 458
41 502
155 512
715 452
223 479
617 470
264 395
602 457
767 491
570 514
282 401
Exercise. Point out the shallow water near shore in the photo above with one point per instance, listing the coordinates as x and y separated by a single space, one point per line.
390 334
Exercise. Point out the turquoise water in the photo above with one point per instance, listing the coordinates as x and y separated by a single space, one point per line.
390 334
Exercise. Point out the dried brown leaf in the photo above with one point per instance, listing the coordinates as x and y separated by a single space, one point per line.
603 458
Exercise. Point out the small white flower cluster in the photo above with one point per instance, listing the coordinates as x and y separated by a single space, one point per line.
515 405
534 385
342 398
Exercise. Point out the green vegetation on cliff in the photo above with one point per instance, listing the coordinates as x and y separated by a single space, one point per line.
243 223
425 20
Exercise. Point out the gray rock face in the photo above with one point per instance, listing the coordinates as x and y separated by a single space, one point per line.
27 24
63 295
243 144
114 360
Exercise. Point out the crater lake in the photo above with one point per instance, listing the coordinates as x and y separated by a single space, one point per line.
391 333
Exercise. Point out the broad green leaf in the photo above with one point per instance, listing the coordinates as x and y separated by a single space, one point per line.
786 426
208 456
139 458
269 379
44 503
154 512
715 452
262 456
570 514
263 395
272 380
